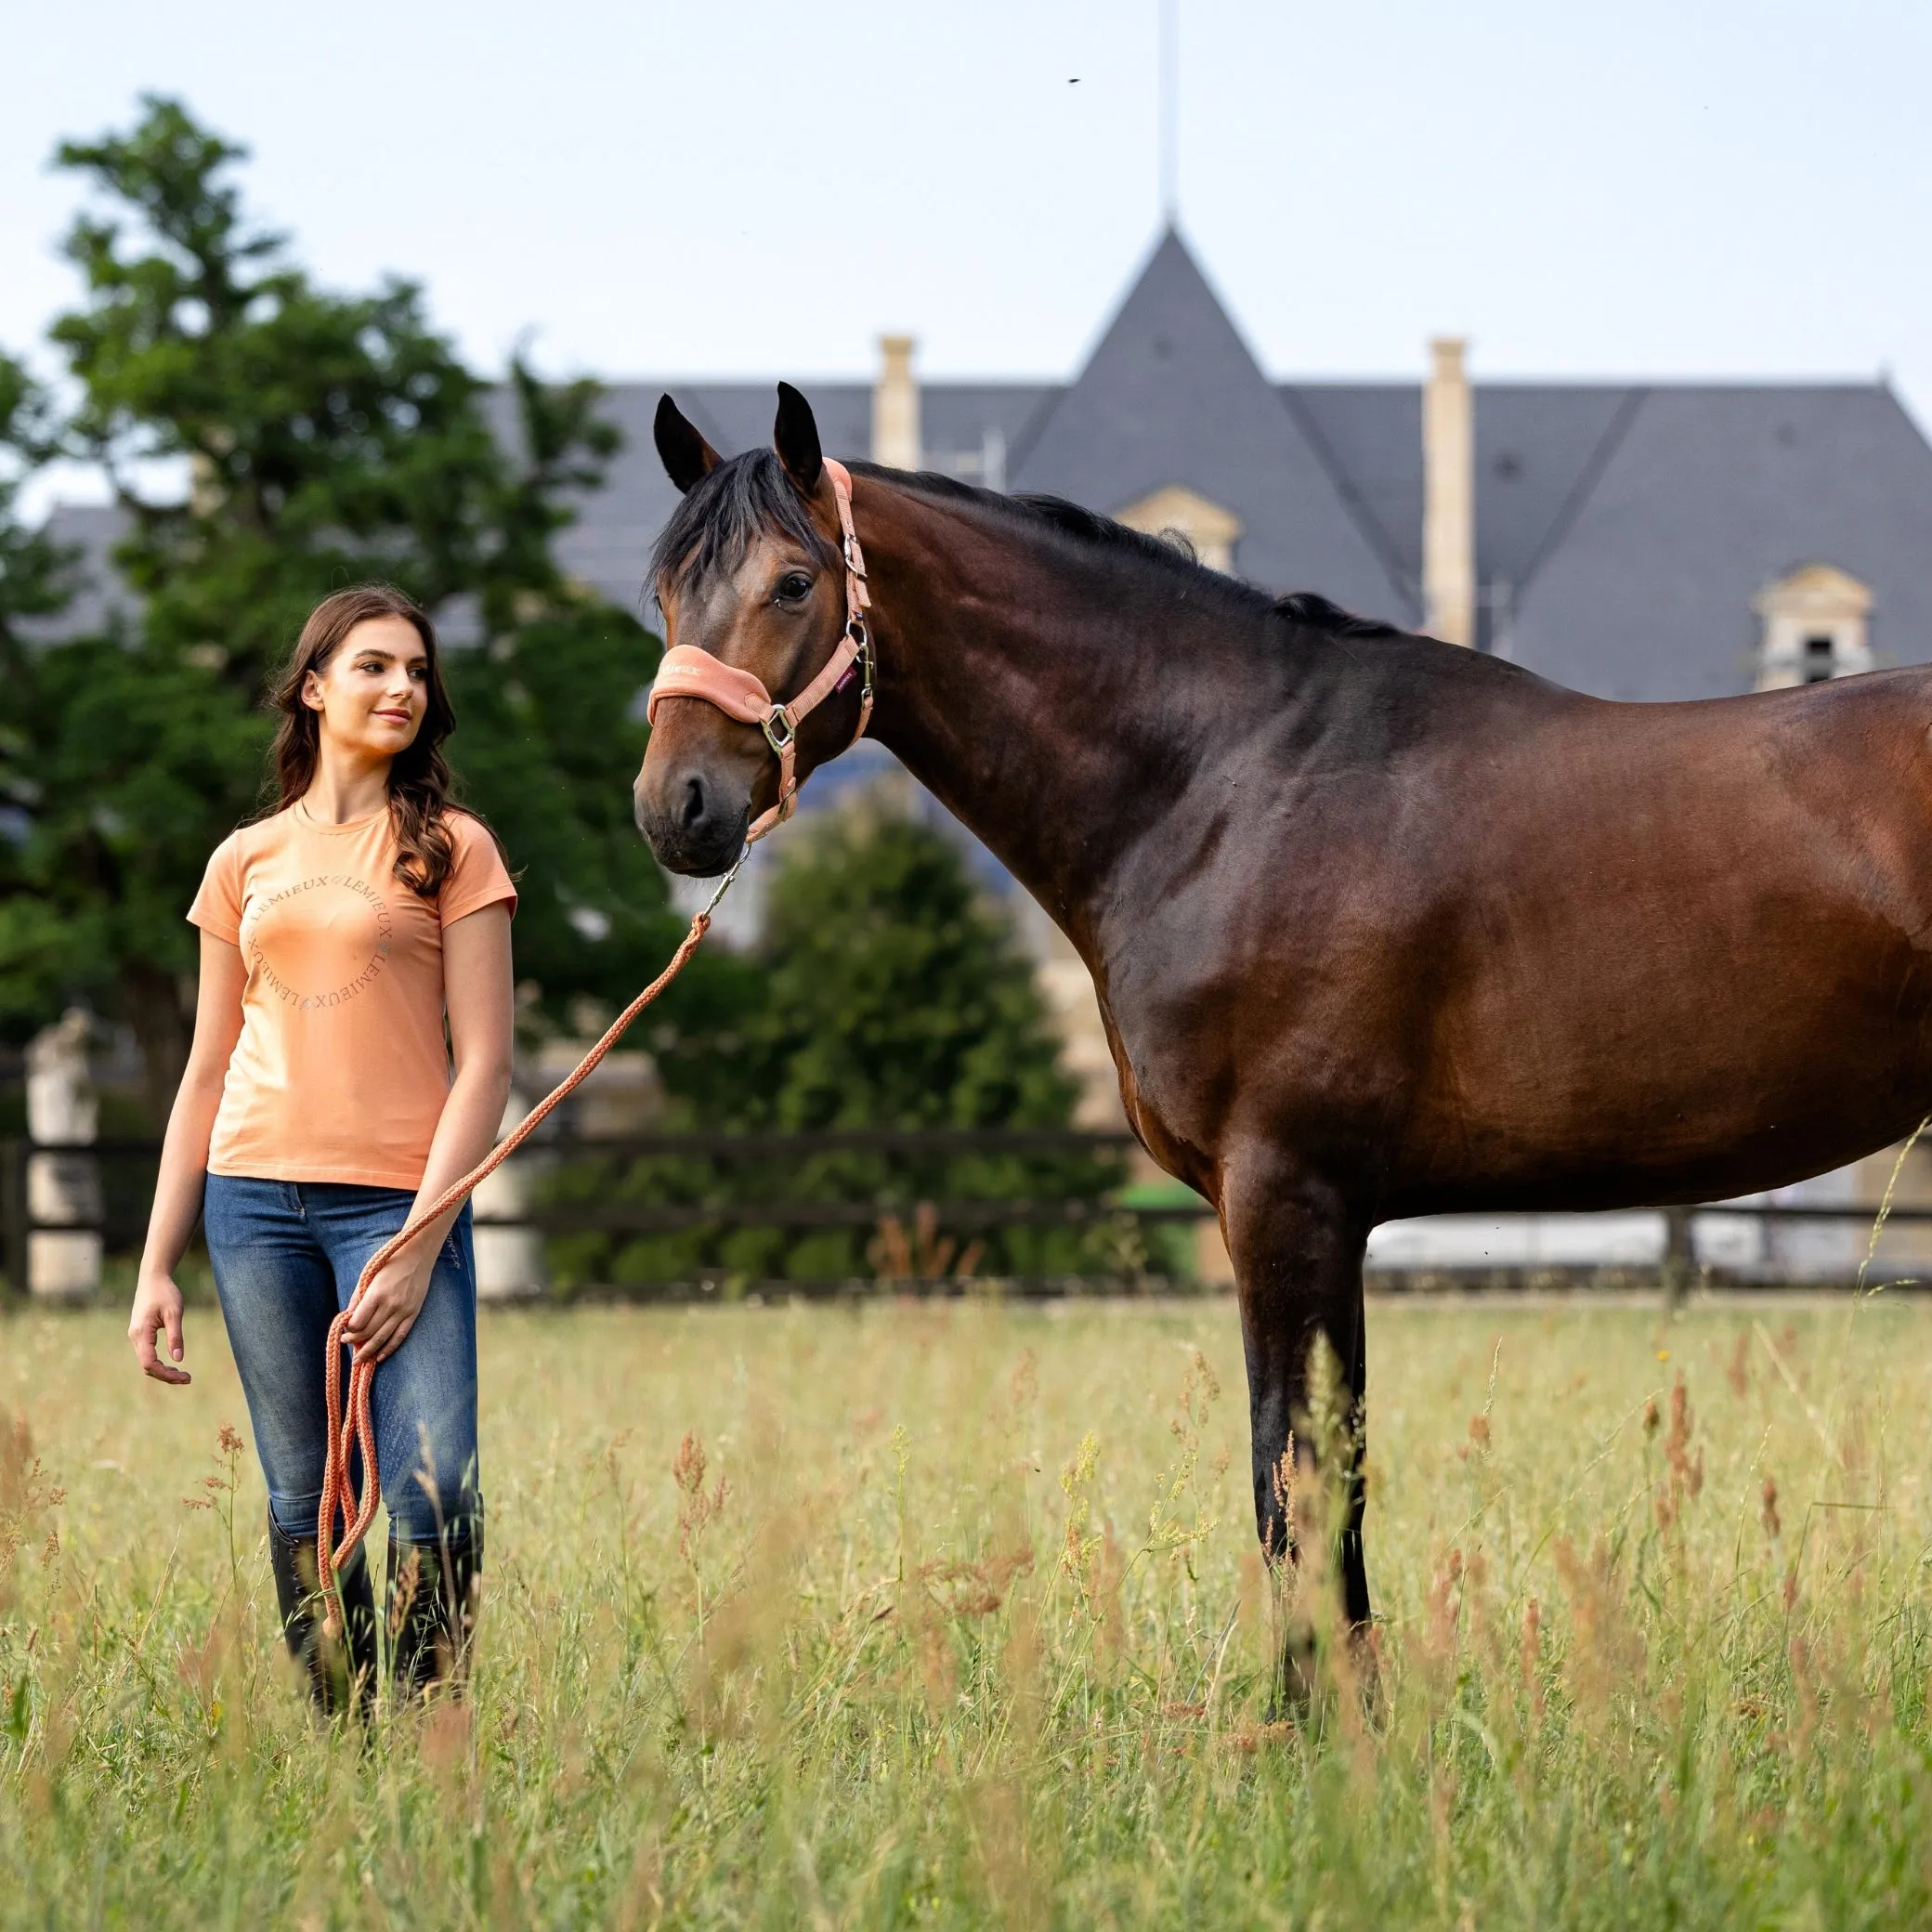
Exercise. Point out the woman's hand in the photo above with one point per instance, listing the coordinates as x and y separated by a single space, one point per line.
477 990
157 1305
379 1324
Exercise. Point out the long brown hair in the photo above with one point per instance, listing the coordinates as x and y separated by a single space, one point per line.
420 779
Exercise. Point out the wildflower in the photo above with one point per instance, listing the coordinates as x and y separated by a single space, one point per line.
1738 1372
687 1469
1532 1653
1684 1473
1444 1608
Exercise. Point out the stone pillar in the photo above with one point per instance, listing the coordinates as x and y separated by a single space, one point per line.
62 1111
896 406
1448 496
992 459
509 1260
1214 1267
1067 987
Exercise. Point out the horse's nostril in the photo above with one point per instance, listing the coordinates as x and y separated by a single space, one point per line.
694 802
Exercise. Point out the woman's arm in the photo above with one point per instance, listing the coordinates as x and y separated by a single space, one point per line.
183 1157
478 992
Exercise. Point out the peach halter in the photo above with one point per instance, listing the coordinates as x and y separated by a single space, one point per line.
687 672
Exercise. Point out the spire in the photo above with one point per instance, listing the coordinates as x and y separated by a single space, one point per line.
1171 399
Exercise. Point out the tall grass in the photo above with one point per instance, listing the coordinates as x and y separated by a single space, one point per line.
951 1615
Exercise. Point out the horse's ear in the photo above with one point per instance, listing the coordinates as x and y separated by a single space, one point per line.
795 434
688 458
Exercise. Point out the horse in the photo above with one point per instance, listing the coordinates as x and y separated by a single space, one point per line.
1379 926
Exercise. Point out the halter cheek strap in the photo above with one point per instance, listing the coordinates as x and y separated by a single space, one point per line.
687 672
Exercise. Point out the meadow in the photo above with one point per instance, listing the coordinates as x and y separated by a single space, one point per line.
950 1615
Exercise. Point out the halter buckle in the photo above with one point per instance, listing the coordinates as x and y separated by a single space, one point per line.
855 630
772 723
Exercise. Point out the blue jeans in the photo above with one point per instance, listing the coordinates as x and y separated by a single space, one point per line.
287 1255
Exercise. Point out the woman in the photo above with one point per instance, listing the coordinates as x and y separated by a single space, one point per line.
338 932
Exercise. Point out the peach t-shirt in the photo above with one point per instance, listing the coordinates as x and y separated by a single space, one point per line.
341 1071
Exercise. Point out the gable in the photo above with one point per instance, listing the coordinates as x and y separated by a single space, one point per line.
1210 530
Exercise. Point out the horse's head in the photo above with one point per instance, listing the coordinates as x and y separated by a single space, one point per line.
748 570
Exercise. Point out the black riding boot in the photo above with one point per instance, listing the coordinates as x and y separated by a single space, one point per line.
341 1674
435 1590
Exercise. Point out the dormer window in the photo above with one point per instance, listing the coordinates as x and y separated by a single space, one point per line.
1816 622
1212 532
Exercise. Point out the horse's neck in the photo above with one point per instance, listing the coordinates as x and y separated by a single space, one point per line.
1024 697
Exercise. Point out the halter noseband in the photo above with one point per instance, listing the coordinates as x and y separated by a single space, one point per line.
687 672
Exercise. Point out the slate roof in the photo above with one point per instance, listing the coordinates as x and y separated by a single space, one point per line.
1622 530
1699 497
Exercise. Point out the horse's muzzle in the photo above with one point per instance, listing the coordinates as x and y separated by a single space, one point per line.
695 825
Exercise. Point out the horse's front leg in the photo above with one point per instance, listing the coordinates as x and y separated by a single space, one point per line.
1297 1242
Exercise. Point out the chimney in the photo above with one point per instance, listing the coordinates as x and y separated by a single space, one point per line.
1448 496
896 406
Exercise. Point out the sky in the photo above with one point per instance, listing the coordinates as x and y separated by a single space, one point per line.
1654 188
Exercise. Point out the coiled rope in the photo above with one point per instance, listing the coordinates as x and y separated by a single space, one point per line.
356 1429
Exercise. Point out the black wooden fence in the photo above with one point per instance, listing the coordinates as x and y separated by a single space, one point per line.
127 1170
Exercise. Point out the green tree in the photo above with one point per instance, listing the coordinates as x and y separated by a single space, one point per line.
33 584
895 995
325 438
889 993
31 577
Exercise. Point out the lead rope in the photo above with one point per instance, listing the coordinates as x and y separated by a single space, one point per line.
356 1429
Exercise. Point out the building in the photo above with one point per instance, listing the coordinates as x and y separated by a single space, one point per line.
1635 541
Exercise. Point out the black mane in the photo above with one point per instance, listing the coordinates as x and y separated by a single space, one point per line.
1170 554
1318 613
1170 551
750 494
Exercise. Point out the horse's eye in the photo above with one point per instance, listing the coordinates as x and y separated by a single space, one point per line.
794 587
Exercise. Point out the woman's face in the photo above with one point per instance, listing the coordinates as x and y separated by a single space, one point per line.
372 693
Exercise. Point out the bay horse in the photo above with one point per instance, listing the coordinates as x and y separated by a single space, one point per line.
1380 926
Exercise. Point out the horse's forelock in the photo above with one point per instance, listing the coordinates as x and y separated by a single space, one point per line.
722 515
